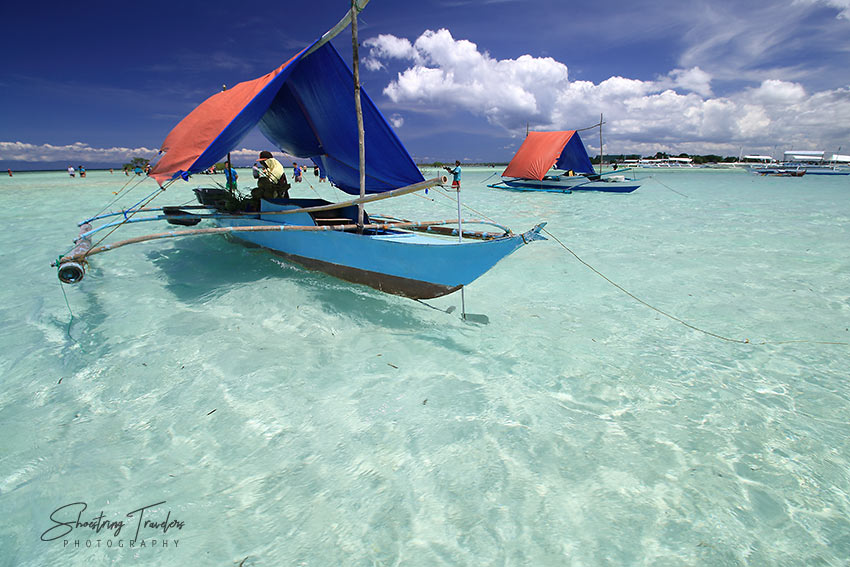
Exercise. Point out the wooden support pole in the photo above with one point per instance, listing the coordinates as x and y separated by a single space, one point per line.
361 146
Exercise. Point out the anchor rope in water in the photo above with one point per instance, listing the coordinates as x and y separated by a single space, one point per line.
426 304
488 178
68 305
678 320
667 186
71 320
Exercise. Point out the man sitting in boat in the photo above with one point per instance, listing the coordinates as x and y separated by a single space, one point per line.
272 182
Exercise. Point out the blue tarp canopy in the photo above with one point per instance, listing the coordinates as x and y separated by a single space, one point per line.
574 157
306 108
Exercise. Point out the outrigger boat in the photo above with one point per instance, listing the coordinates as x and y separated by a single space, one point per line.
808 161
540 152
305 107
782 172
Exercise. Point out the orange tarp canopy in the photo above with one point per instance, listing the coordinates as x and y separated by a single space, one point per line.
542 150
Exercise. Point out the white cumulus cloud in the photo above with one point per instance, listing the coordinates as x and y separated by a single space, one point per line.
677 110
79 152
453 72
76 152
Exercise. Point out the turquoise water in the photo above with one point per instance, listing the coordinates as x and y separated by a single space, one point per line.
290 418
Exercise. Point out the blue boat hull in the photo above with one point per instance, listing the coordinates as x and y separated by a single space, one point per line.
565 185
418 266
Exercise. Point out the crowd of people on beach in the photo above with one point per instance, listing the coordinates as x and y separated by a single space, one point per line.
263 168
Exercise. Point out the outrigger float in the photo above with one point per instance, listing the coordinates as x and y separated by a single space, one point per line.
305 108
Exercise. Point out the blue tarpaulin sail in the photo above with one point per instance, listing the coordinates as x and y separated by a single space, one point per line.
306 108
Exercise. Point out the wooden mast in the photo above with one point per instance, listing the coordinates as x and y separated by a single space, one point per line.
227 166
336 30
600 143
359 109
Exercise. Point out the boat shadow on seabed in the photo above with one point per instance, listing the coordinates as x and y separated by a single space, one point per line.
240 265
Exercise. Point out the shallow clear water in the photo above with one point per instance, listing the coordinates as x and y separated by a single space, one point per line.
294 419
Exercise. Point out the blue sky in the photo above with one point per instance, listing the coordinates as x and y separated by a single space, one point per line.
98 82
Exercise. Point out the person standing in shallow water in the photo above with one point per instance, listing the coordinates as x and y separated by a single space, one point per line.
455 175
71 171
230 177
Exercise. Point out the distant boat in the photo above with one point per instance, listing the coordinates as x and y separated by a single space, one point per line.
817 162
814 162
531 168
663 163
741 163
783 172
748 162
311 107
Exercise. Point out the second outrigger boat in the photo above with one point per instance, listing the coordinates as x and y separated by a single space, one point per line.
557 162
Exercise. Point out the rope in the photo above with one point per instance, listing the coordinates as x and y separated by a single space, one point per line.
426 197
315 190
149 198
124 211
668 187
70 321
673 317
439 191
119 195
449 310
486 179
